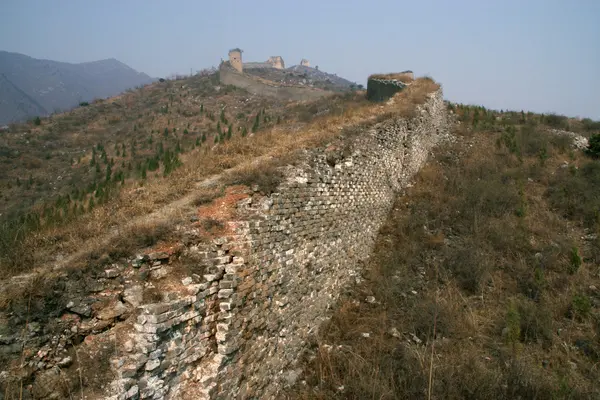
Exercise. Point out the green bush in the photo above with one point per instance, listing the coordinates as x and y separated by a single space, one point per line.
556 121
576 193
575 259
535 323
593 148
581 306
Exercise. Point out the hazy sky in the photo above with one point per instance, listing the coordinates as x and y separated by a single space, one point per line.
539 55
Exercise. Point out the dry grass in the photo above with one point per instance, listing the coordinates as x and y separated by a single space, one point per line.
477 250
400 76
275 143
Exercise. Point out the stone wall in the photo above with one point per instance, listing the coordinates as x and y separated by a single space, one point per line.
232 314
306 244
229 76
277 62
382 89
267 286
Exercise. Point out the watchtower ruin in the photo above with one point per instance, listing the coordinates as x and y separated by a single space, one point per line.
305 63
235 59
276 62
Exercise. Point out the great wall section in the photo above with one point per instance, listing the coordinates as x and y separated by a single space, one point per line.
229 317
262 87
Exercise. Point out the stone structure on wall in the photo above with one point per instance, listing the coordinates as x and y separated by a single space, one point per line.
383 86
235 59
276 62
231 314
264 87
305 63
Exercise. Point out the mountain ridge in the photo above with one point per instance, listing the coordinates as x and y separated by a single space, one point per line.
40 87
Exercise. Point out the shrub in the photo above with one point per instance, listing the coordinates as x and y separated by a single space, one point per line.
468 267
137 237
556 121
37 121
512 330
576 193
266 176
590 125
593 148
206 197
580 306
535 323
575 260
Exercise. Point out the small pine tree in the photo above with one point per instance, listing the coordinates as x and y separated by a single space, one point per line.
201 108
185 132
108 172
219 128
197 141
216 138
37 121
166 132
593 148
256 123
222 116
229 131
203 137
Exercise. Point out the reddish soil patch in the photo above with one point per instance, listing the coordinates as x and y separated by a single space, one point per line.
215 217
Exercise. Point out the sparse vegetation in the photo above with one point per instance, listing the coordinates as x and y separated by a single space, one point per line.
88 199
482 276
594 146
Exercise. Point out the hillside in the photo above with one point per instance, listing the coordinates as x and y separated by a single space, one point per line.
70 164
484 281
30 87
191 236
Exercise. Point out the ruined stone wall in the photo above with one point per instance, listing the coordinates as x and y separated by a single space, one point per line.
229 76
230 316
277 62
265 288
383 89
306 244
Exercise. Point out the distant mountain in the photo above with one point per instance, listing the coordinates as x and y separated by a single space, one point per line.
31 87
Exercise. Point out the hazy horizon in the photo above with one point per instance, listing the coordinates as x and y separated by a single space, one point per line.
542 56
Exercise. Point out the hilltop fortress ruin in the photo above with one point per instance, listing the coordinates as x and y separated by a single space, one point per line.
235 60
260 78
